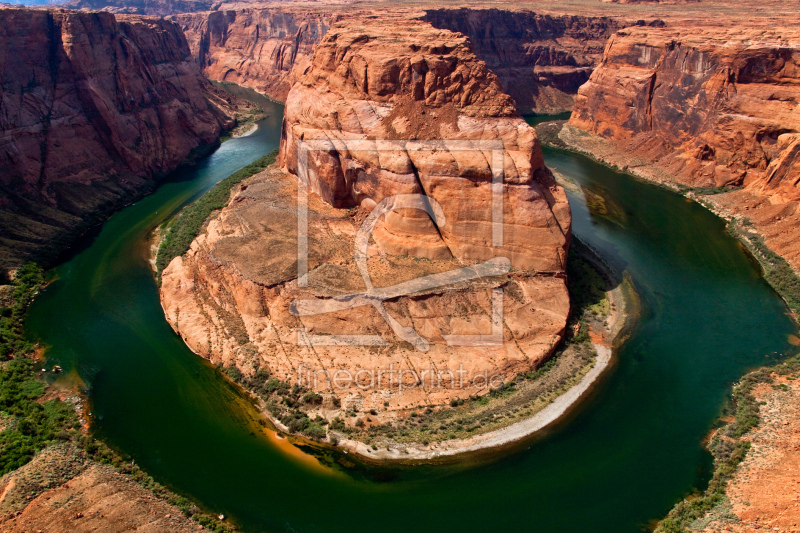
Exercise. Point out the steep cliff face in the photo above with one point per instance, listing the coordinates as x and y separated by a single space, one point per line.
257 48
409 81
540 59
373 94
710 107
94 109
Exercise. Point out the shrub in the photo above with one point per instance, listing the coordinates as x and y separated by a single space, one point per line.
190 221
312 398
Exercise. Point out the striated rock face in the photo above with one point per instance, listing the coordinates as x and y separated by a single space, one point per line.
371 96
94 109
62 491
257 48
540 59
710 107
414 82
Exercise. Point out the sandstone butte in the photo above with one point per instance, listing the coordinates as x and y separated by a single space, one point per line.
707 107
230 296
540 59
94 110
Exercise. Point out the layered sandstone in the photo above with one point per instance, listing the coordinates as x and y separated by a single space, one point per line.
258 47
63 491
373 94
541 59
94 110
708 107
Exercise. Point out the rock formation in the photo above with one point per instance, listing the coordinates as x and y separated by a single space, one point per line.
94 109
63 491
540 59
373 94
709 107
257 48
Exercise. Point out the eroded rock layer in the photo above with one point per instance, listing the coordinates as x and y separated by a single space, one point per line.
257 48
540 59
709 107
366 106
93 110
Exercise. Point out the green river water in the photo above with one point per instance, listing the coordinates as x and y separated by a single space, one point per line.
620 461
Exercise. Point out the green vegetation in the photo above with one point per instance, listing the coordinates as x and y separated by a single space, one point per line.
777 271
729 448
32 425
284 401
29 278
29 423
706 191
187 225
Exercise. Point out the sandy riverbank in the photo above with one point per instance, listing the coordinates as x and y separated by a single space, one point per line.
602 341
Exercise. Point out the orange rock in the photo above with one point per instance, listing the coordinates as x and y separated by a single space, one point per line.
710 106
95 110
231 296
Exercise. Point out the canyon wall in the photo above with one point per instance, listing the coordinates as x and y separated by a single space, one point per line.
374 92
708 107
94 110
540 59
257 48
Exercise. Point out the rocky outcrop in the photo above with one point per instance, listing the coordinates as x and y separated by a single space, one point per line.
413 82
94 110
374 92
63 491
709 107
257 48
540 59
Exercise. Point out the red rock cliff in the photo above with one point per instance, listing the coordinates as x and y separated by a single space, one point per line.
410 81
231 296
540 59
257 48
709 107
94 109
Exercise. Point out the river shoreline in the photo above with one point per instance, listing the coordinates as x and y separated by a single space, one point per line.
621 303
732 487
623 306
619 320
605 152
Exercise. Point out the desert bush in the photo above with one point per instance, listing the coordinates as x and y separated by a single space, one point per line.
189 222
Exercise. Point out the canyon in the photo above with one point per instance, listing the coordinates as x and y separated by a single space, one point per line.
368 94
95 111
540 59
711 110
